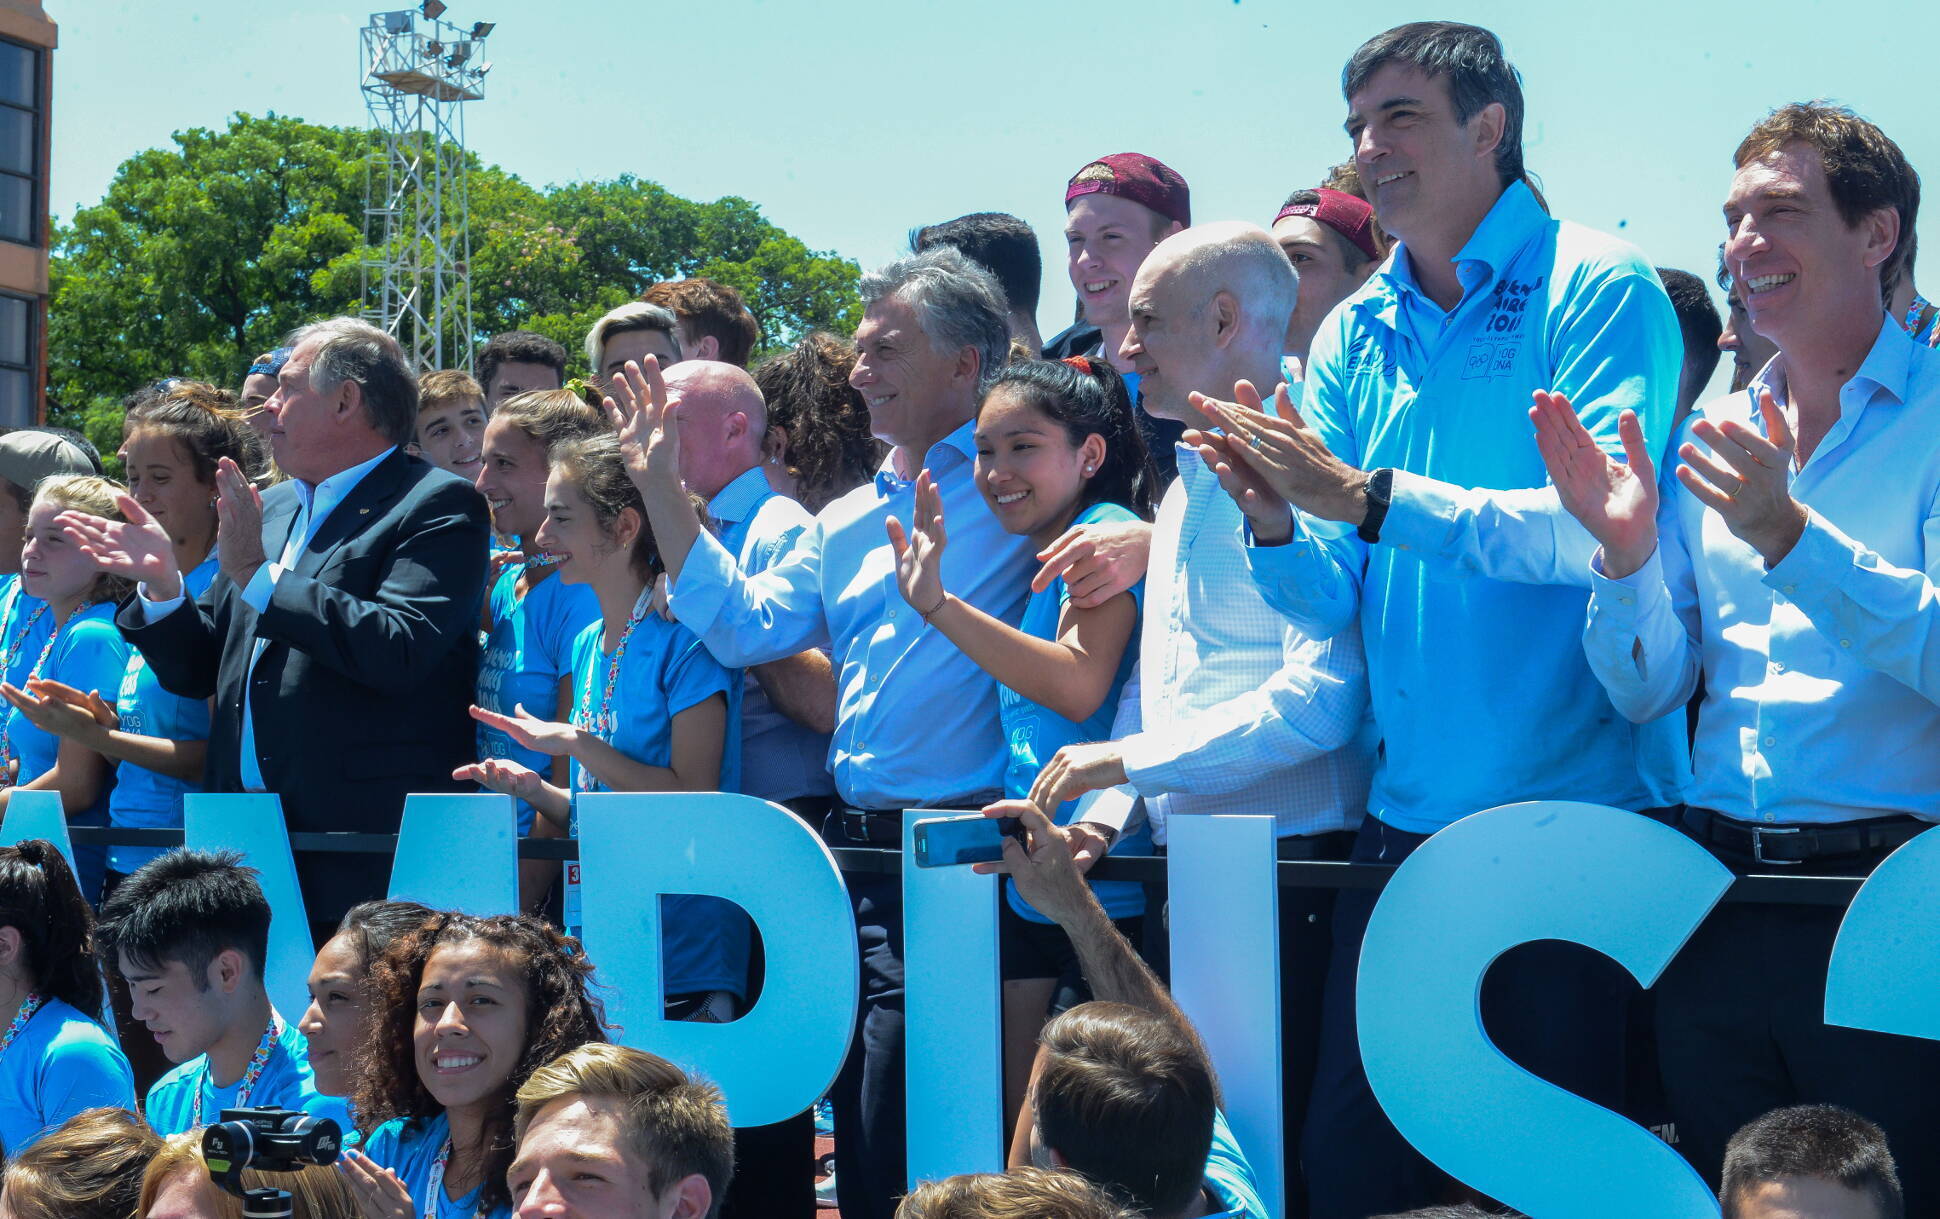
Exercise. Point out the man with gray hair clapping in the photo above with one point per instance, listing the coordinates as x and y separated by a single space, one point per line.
933 333
339 639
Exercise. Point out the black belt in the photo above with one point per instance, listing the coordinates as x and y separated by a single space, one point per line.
863 826
1333 845
1790 845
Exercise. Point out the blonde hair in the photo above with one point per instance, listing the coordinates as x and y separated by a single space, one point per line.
1022 1193
634 315
316 1191
94 495
88 1167
674 1126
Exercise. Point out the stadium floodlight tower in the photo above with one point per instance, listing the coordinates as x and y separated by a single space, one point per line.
418 73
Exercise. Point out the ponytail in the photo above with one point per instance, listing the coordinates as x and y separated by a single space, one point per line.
40 898
1087 397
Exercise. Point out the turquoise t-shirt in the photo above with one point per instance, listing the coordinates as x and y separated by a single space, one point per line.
408 1147
88 653
1229 1178
1034 733
286 1083
528 650
25 624
61 1063
665 671
144 799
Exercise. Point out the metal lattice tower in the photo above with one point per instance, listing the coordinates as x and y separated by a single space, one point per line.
417 74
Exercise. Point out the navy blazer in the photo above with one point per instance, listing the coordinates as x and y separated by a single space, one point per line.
371 661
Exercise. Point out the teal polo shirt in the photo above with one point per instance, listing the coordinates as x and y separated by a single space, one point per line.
1472 604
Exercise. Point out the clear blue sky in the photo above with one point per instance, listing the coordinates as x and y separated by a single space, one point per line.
850 123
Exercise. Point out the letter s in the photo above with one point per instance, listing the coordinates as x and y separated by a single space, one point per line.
1548 870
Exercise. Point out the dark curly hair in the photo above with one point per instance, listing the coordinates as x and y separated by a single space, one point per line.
561 1015
40 898
830 450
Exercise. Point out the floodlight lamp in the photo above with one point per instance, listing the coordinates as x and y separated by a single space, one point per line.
460 52
432 9
482 69
434 48
482 28
398 22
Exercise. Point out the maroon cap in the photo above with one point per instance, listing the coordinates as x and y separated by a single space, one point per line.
1348 215
1144 180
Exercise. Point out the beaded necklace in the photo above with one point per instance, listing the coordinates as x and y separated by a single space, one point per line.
8 758
434 1190
32 1004
602 723
1928 334
251 1073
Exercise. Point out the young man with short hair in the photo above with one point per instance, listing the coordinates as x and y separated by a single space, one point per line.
1791 562
714 320
519 362
1810 1162
632 332
1117 210
1006 247
1328 236
1699 323
607 1132
451 422
188 933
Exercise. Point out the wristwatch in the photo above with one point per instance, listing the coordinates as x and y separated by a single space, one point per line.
1379 493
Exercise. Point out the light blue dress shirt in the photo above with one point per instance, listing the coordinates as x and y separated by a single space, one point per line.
916 719
1821 675
780 759
1471 607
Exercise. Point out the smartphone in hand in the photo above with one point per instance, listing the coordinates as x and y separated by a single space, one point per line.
941 842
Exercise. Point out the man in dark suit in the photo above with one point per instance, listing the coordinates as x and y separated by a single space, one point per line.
340 639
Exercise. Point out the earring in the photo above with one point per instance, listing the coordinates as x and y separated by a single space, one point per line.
1087 471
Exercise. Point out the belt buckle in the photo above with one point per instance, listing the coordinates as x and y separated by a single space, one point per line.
1758 833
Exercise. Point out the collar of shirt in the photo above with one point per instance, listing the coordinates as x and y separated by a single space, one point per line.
946 454
738 500
1514 221
318 501
1885 370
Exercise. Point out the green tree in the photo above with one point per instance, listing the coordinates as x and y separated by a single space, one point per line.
204 254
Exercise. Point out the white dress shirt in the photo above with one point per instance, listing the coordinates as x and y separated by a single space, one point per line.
1821 675
1231 709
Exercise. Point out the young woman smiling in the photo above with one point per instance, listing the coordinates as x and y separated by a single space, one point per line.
85 653
1057 446
462 1011
652 712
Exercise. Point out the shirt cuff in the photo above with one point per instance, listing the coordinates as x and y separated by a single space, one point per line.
1817 564
1112 807
262 586
153 610
1158 768
698 596
1619 601
1421 511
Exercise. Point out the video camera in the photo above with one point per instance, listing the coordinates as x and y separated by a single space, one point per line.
267 1140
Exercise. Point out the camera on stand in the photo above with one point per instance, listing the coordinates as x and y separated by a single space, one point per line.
267 1140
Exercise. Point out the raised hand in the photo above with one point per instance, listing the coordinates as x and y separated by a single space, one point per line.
239 523
1753 495
1044 865
1289 457
546 736
648 428
1615 500
101 709
919 553
137 548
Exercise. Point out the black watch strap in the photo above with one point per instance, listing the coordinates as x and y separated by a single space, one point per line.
1379 494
